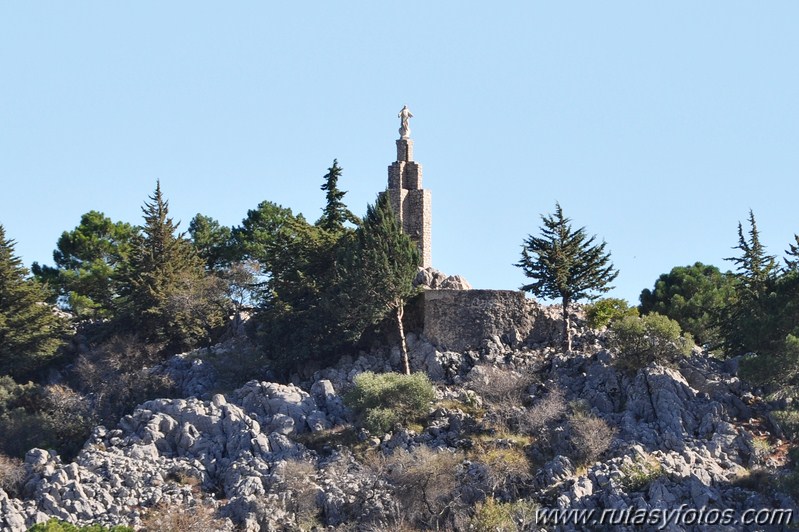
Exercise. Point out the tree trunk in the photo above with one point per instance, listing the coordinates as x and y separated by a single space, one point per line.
567 330
400 313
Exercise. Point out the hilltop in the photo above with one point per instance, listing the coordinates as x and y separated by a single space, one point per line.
513 425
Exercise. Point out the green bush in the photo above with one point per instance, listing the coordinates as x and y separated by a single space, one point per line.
49 417
650 338
55 525
382 400
777 368
604 311
788 421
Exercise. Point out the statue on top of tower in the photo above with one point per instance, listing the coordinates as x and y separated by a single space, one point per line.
405 128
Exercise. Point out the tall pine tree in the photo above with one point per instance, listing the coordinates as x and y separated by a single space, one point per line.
30 331
565 264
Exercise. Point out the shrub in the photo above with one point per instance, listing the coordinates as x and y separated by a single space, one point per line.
425 483
12 473
503 391
788 421
298 492
382 400
50 417
778 368
55 525
117 374
640 474
604 311
493 516
591 437
650 338
177 517
543 412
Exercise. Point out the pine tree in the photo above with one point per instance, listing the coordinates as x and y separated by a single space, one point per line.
377 273
30 332
335 213
565 264
169 297
212 241
87 259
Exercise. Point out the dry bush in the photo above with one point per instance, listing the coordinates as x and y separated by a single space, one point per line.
498 386
50 417
542 413
425 483
69 418
591 436
298 482
12 473
117 374
503 391
177 517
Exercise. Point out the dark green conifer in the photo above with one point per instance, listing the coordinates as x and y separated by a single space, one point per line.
30 331
335 213
170 298
565 264
377 273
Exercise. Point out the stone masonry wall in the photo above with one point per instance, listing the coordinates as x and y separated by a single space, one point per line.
459 320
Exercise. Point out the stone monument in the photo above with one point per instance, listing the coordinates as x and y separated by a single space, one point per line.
410 201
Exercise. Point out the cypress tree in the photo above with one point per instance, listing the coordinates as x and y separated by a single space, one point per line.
30 331
169 299
565 264
792 263
749 321
377 273
335 213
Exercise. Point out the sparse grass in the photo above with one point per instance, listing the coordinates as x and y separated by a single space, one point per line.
763 447
470 409
639 475
493 516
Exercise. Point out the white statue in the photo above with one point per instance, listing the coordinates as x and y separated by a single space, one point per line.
404 116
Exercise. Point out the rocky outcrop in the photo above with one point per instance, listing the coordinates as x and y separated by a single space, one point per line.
432 279
267 454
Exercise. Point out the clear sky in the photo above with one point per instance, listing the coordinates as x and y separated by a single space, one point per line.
655 125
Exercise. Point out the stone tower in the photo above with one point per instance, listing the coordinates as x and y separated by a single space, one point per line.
410 201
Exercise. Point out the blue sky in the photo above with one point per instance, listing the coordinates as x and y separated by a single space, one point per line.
655 125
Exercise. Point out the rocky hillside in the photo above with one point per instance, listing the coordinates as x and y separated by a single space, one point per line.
512 429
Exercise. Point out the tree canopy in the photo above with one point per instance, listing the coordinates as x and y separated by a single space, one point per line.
87 261
694 296
566 264
168 296
30 331
377 273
